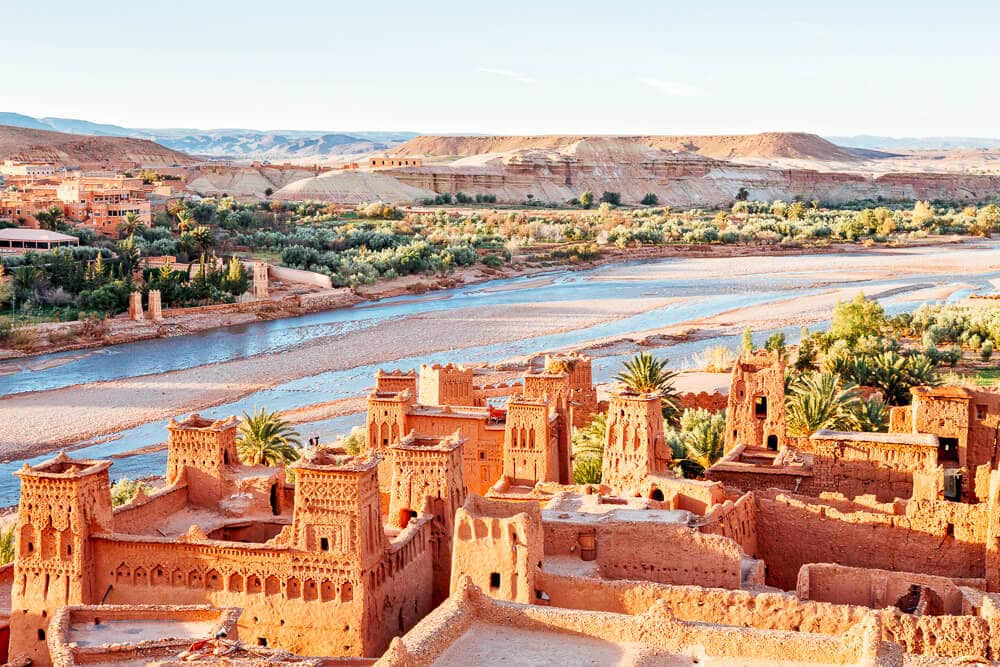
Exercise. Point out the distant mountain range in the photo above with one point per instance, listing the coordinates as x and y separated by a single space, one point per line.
915 143
234 143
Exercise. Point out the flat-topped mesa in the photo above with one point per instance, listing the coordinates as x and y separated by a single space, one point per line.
755 413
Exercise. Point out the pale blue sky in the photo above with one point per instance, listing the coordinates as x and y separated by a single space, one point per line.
895 68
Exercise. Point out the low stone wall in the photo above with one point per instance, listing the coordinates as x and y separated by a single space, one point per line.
288 275
878 589
653 551
145 511
928 635
735 520
715 401
934 537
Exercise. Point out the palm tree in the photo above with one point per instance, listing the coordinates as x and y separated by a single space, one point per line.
201 236
703 439
644 373
819 400
25 280
588 450
184 219
7 544
265 438
871 414
130 225
50 218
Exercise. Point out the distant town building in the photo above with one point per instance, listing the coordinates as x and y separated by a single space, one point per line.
393 162
17 241
29 169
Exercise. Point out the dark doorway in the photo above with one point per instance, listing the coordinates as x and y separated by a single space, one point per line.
657 495
274 500
947 450
760 407
772 442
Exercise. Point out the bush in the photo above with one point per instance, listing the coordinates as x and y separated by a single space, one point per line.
493 261
650 200
613 198
986 350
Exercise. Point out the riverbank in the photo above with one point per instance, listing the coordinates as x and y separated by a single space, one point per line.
638 295
295 300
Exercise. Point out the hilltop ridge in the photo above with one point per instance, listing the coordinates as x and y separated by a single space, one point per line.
796 145
75 149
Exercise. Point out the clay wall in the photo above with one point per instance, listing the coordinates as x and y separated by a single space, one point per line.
934 537
146 511
649 551
929 635
878 589
288 275
500 546
715 402
530 447
735 520
755 412
694 495
197 451
445 385
396 381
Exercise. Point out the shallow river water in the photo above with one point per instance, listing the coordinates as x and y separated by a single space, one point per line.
716 285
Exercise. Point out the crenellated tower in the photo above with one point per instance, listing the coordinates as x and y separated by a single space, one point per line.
755 412
198 452
554 388
634 445
531 446
427 477
63 502
386 418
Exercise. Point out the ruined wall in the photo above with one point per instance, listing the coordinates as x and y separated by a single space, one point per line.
694 495
649 551
840 584
929 635
934 537
755 412
735 520
500 545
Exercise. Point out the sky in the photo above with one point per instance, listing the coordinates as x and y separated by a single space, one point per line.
895 68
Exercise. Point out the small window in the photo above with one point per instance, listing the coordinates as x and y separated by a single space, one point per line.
760 407
980 412
261 641
324 544
482 456
41 635
494 580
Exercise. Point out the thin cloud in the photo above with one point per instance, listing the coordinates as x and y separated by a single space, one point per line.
671 88
508 74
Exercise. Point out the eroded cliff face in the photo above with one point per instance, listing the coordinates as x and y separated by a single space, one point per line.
677 179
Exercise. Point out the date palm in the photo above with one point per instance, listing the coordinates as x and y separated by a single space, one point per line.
645 373
588 451
130 225
264 438
819 400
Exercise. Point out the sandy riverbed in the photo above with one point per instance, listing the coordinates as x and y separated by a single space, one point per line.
36 422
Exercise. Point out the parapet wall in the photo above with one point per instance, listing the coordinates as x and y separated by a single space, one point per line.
143 512
649 551
878 589
935 537
927 635
735 520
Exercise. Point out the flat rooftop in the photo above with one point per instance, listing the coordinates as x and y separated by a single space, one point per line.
85 632
917 439
23 234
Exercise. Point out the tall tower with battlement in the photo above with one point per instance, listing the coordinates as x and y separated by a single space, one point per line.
387 418
634 445
337 508
446 385
396 381
63 502
427 477
531 447
198 451
755 411
554 388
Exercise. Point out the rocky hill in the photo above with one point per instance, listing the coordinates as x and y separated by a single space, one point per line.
88 151
232 143
797 145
